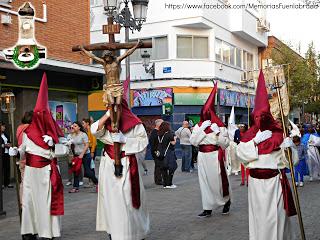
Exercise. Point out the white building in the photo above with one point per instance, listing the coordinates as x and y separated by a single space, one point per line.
191 46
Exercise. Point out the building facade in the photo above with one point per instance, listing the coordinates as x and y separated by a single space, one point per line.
70 76
191 48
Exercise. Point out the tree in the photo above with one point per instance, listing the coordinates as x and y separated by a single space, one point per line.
303 81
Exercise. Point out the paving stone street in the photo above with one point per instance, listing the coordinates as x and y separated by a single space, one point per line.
173 212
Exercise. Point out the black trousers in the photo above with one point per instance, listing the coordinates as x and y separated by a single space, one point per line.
6 169
167 176
158 179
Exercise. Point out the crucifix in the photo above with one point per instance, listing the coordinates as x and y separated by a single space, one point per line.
113 89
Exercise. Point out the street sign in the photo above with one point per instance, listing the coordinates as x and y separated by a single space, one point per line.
166 69
111 29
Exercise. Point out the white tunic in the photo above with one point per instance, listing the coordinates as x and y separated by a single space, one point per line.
115 213
36 199
267 216
314 157
209 168
233 162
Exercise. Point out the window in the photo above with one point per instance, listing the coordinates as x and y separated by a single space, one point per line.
244 60
192 47
94 3
218 49
248 61
238 58
226 52
160 48
232 55
200 47
184 47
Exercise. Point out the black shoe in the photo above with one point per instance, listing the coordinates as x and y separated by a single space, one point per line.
226 208
29 237
205 214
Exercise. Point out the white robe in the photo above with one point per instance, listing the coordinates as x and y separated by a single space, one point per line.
209 168
233 162
36 198
314 157
115 213
267 216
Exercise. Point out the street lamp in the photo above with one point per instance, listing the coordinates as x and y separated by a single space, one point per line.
8 105
146 62
126 20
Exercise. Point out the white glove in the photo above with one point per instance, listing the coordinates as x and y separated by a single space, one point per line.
48 140
262 136
205 124
13 151
287 142
214 127
118 137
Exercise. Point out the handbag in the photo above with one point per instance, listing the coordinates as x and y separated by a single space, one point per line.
60 150
76 166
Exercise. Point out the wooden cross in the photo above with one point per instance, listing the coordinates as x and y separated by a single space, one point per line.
113 88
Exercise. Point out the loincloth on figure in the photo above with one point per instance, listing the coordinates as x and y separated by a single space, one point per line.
112 94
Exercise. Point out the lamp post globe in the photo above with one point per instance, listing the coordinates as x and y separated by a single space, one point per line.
140 8
8 102
110 6
145 58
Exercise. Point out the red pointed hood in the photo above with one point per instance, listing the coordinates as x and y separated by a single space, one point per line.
42 120
208 112
128 119
262 119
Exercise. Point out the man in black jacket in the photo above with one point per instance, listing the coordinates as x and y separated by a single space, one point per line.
153 141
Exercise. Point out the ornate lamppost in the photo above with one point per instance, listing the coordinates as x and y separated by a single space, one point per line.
8 105
127 20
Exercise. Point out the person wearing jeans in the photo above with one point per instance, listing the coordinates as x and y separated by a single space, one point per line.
80 142
184 134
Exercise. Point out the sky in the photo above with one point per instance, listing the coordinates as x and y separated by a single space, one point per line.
295 25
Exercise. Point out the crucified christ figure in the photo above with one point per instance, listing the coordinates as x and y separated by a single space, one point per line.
113 92
113 89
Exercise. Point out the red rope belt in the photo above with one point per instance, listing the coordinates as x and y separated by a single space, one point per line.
221 157
286 190
57 201
134 174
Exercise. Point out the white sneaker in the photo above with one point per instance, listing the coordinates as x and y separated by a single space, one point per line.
80 183
172 186
311 179
301 184
297 184
68 183
236 173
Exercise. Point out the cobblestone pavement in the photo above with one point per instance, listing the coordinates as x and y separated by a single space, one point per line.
173 212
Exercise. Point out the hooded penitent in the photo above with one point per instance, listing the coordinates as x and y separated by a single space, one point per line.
208 112
261 119
42 120
44 124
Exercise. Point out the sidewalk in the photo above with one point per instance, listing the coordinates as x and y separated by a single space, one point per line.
173 212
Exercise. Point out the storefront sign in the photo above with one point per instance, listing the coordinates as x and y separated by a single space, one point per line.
190 98
152 97
237 99
65 113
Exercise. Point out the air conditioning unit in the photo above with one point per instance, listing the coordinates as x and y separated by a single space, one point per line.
263 25
6 19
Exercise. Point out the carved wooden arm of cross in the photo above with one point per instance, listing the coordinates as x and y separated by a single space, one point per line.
111 46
